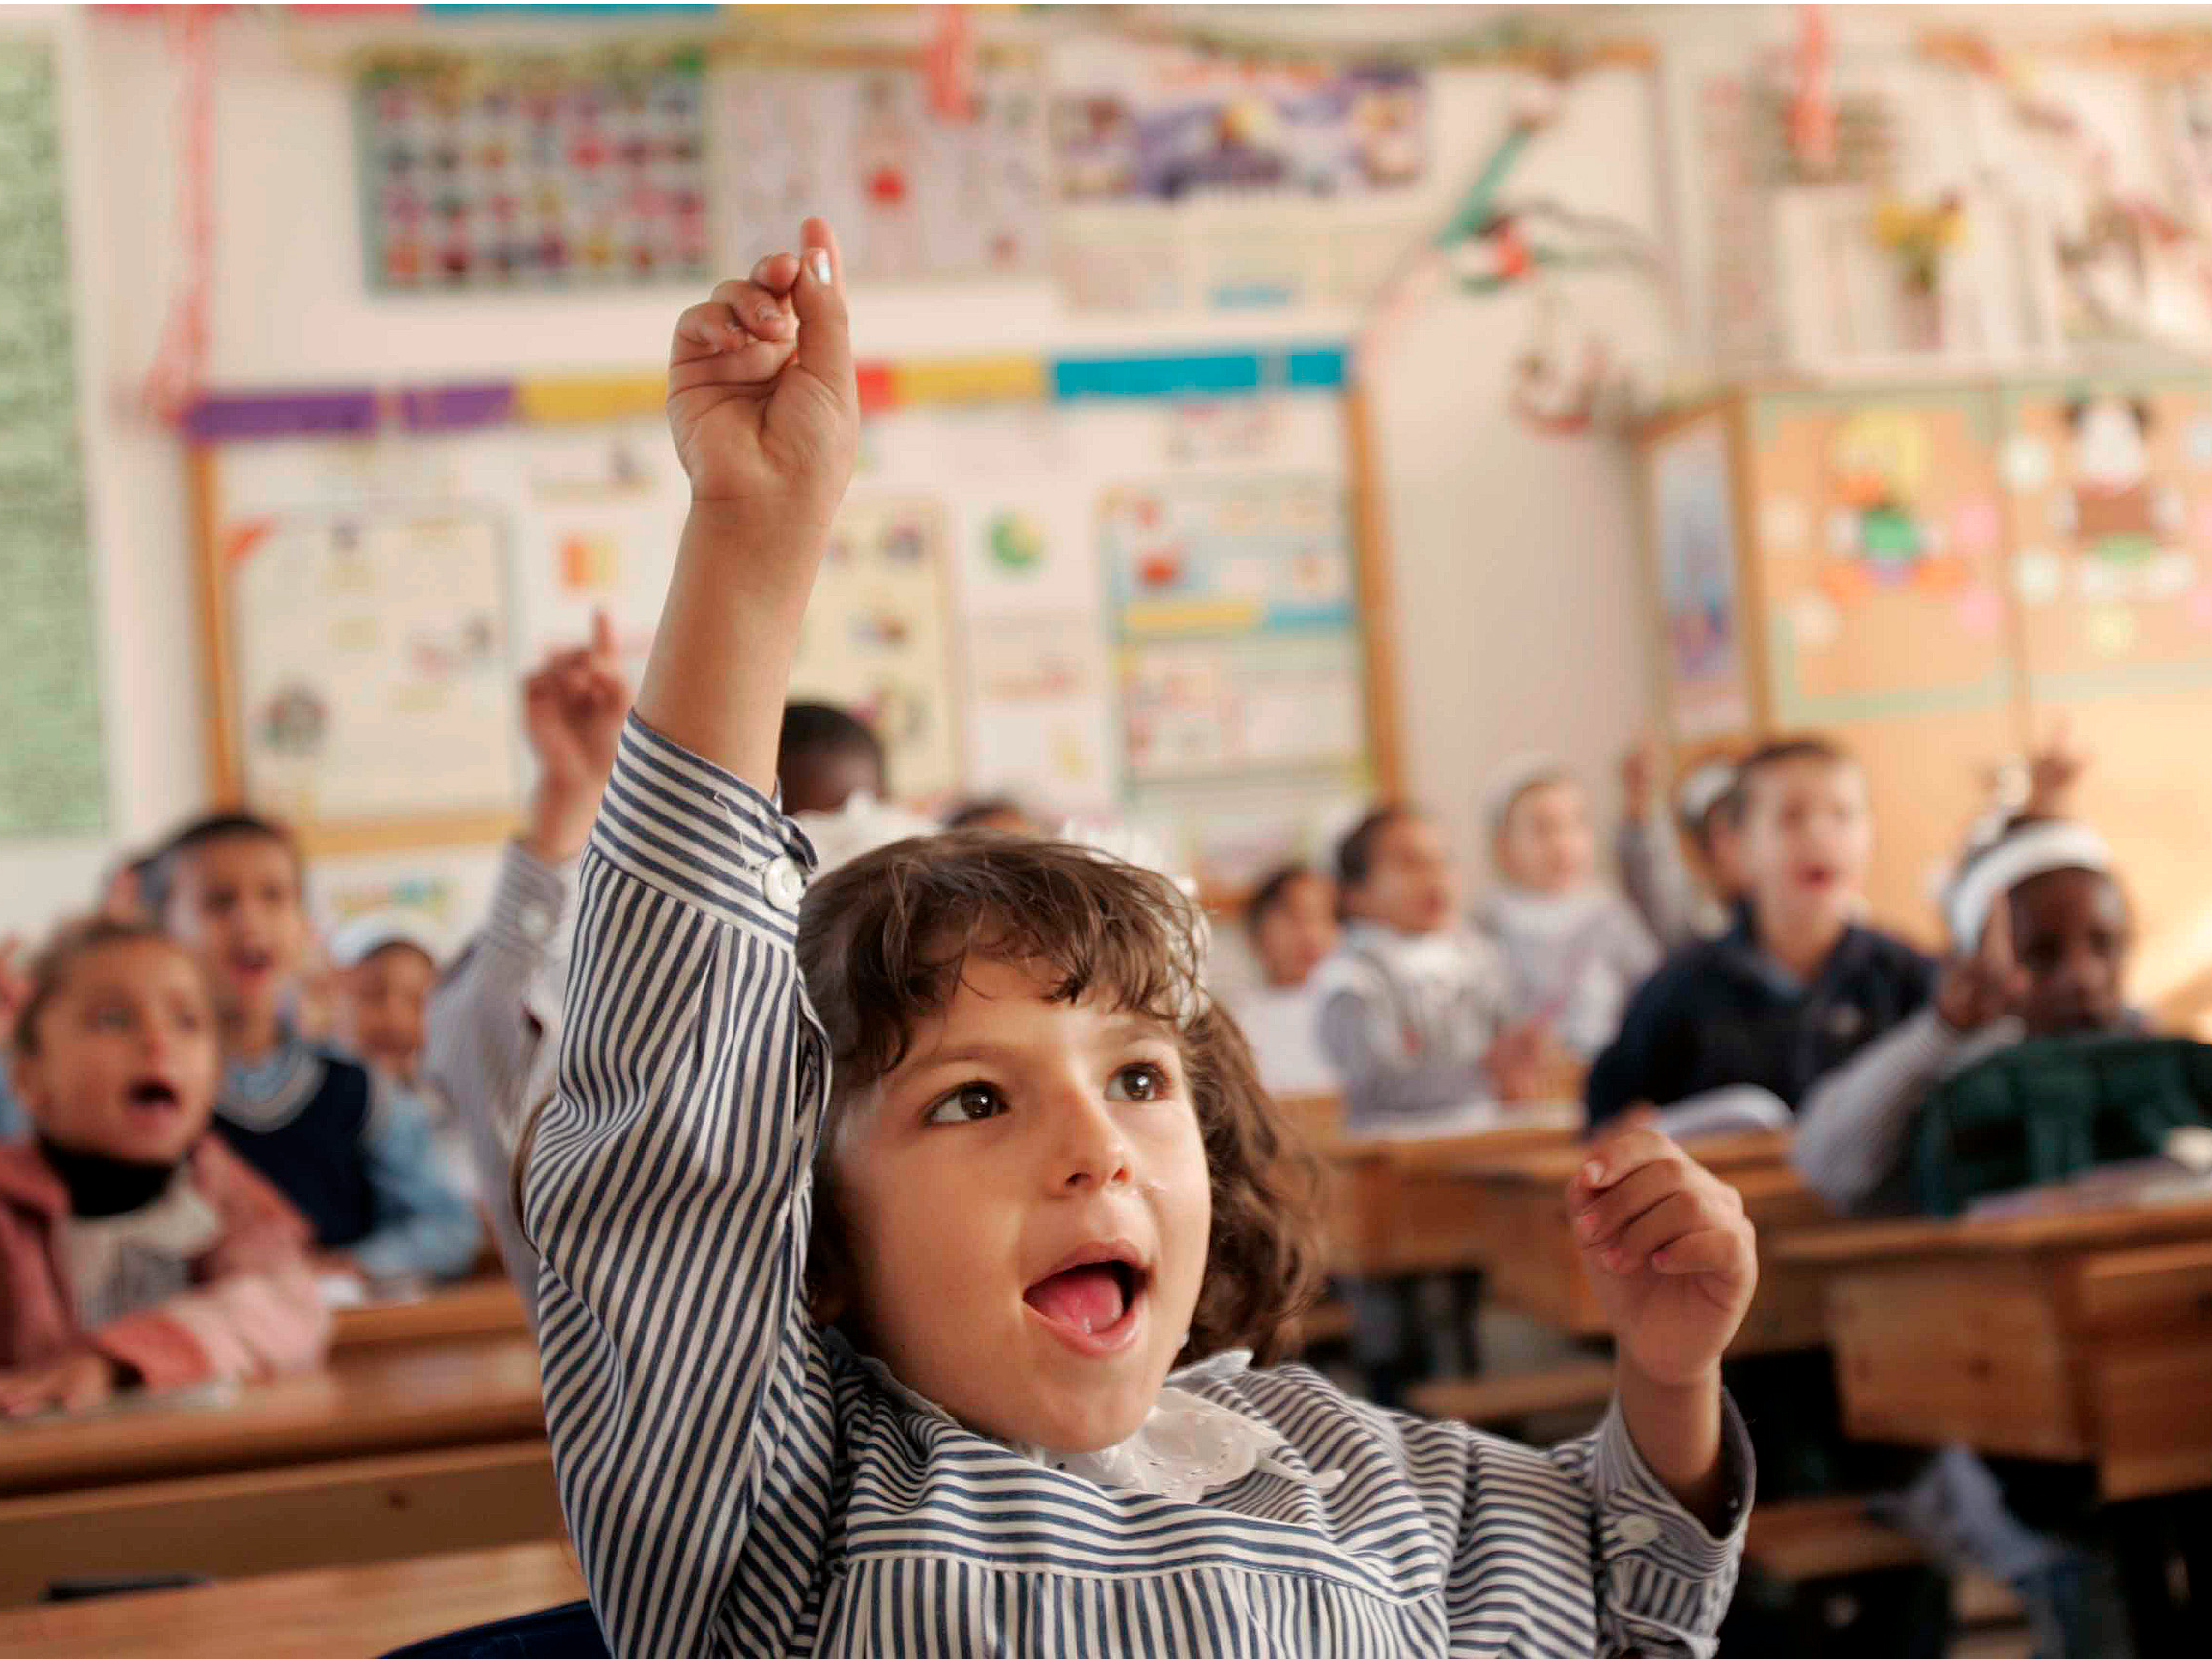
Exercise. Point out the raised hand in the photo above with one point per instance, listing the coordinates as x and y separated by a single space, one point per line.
73 1383
766 410
573 708
1668 1249
2053 769
1984 984
762 395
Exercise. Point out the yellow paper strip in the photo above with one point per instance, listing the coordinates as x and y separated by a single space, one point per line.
969 380
582 398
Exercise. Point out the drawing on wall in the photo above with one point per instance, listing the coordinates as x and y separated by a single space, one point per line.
1696 536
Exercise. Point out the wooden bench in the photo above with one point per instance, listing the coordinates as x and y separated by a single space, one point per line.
1510 1397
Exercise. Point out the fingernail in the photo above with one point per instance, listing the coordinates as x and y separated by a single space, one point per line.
1586 1224
1592 1172
819 263
760 271
766 315
1615 1260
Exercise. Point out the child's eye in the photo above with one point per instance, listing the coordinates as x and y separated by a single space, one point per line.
1144 1081
111 1017
971 1103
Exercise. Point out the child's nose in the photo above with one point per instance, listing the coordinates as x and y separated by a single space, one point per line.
1092 1151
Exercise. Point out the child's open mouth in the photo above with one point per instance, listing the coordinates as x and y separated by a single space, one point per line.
251 962
152 1095
1092 1302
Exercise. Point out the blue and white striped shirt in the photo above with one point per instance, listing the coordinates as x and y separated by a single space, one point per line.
739 1482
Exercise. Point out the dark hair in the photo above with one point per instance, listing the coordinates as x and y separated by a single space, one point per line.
821 732
1273 891
158 881
1771 755
1355 852
68 946
971 812
881 945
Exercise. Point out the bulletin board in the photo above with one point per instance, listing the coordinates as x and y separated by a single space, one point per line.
1880 525
2110 489
1136 588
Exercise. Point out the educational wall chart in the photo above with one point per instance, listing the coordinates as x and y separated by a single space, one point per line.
372 665
915 196
1187 182
531 175
2110 488
53 778
1052 579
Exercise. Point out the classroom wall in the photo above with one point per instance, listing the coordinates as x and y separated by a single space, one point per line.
1506 544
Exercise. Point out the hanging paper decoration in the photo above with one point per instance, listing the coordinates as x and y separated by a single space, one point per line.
1813 119
173 382
532 174
949 65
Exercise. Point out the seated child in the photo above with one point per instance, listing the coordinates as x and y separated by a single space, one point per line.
492 1027
1794 988
1291 921
385 965
354 1152
1415 1005
1572 947
2041 931
909 1242
824 757
136 1249
993 813
1679 905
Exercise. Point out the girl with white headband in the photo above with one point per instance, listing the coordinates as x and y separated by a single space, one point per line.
2040 933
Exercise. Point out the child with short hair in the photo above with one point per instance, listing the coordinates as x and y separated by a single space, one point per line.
1572 947
1796 988
903 1238
1416 1007
386 966
354 1152
136 1249
1290 921
824 757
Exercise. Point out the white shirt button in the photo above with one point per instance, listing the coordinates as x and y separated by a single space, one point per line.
537 922
1637 1530
783 884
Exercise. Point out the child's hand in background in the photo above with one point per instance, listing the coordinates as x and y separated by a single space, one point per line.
1519 1061
1974 991
762 395
573 710
1668 1249
2053 771
1641 770
76 1382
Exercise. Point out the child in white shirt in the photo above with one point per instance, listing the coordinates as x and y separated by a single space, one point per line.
1291 921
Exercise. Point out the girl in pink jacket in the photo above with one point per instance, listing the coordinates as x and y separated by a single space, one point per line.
136 1249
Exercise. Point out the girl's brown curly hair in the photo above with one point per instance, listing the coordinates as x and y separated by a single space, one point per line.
881 945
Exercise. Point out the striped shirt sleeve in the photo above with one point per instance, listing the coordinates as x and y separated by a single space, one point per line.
668 1195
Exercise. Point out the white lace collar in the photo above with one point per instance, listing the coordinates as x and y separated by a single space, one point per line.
1187 1446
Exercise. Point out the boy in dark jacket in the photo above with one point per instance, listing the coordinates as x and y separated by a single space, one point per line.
1795 987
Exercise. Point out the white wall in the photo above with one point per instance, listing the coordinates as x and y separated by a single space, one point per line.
1510 550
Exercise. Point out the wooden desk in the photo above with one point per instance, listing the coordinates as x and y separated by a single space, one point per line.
1397 1207
2080 1335
341 1613
475 1307
1537 1267
370 1401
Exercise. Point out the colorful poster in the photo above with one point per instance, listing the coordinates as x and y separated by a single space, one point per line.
1234 599
374 680
535 175
1196 182
1039 715
2109 487
915 196
1696 536
53 774
875 638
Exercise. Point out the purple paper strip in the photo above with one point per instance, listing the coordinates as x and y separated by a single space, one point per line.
280 415
452 408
